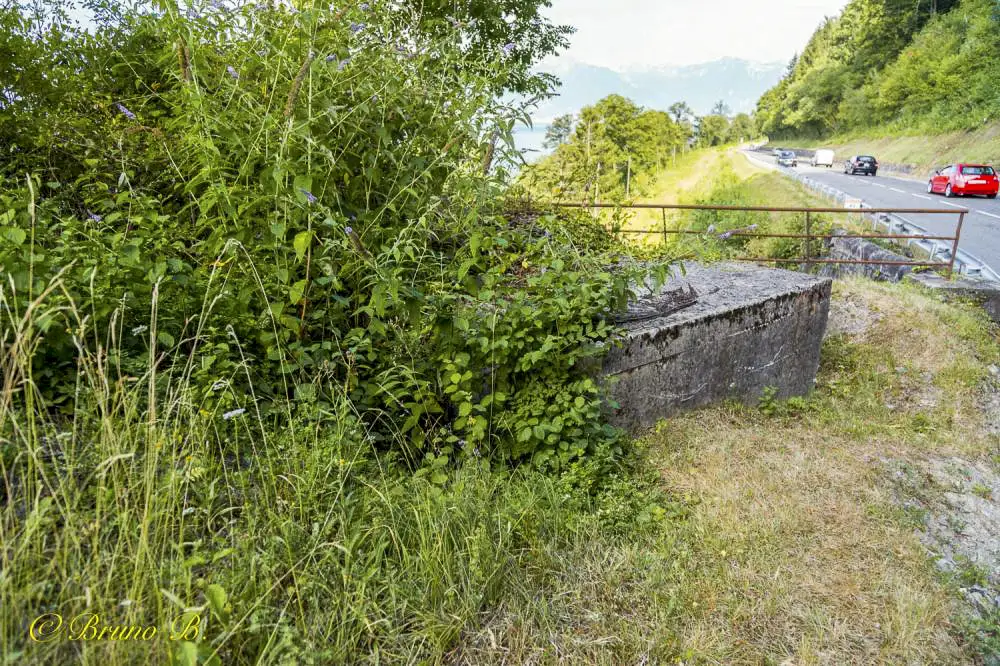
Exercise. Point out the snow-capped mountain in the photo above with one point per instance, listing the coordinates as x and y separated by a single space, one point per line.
737 82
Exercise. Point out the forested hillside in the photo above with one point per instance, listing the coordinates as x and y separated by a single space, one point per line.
615 147
924 65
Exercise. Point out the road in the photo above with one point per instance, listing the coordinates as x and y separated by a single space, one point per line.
980 231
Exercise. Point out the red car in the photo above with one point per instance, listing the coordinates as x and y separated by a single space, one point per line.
963 179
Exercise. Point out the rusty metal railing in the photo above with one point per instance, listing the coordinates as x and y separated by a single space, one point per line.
807 237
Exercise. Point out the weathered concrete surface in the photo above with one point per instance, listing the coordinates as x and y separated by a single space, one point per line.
983 292
751 328
859 248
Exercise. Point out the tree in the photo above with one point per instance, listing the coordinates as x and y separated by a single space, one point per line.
680 111
613 141
559 131
792 64
515 30
713 130
741 129
721 108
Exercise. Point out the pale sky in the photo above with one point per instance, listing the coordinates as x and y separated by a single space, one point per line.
622 34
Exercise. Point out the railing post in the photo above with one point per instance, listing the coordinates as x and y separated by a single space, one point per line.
664 211
954 247
808 242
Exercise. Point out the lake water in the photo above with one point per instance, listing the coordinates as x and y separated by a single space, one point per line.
529 141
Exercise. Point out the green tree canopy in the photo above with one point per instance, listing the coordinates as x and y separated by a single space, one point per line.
890 61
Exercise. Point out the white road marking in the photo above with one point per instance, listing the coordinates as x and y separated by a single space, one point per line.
894 189
920 196
879 185
945 203
988 214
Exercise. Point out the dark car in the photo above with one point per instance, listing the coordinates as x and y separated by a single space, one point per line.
964 179
865 164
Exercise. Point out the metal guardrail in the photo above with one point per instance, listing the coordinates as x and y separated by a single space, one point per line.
807 237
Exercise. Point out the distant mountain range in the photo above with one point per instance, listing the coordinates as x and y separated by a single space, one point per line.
737 82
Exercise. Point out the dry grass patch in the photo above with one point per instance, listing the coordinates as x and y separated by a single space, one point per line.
806 554
803 558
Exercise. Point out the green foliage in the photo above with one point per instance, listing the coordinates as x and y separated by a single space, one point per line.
614 143
719 239
559 131
487 27
891 63
713 130
311 200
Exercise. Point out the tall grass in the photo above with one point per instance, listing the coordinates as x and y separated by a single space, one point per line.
293 544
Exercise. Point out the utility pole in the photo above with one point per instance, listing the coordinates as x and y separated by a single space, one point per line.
597 187
628 174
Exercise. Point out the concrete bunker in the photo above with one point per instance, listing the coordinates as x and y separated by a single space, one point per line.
750 328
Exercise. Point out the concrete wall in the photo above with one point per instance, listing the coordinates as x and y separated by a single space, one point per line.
750 329
982 292
859 248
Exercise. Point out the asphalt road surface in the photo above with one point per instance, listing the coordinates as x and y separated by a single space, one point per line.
980 231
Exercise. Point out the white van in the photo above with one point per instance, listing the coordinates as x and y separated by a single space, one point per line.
822 158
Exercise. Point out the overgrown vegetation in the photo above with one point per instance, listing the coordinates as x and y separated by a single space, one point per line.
275 349
302 220
896 65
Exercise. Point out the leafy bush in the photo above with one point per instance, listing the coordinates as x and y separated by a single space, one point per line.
307 199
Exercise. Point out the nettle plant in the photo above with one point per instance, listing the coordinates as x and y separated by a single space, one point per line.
272 205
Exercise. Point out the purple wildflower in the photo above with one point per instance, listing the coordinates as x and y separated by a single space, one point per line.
357 27
455 23
128 114
217 4
508 48
332 57
235 412
363 6
192 14
711 229
752 227
343 63
348 230
375 98
725 234
95 217
232 72
310 197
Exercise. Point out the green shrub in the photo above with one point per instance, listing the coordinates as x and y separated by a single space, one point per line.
310 200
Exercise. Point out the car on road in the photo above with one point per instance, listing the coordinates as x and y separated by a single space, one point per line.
865 164
822 157
965 179
787 158
776 152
